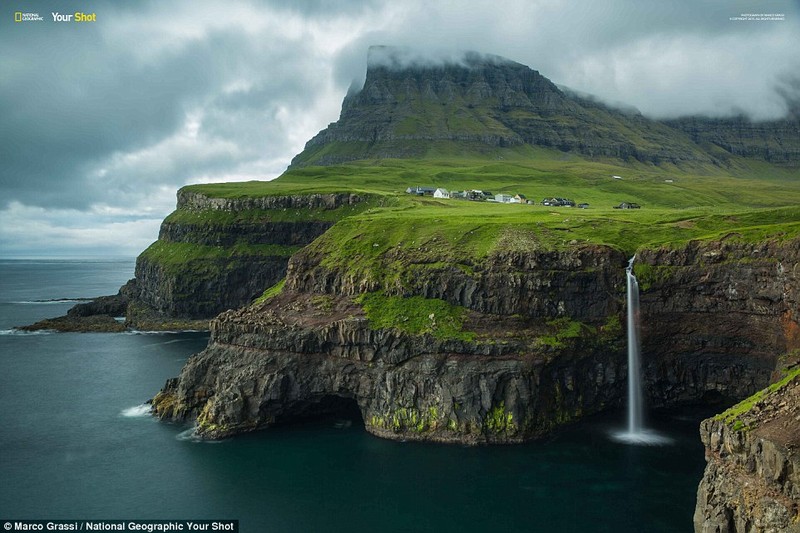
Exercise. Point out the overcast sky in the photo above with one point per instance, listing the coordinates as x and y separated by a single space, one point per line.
102 122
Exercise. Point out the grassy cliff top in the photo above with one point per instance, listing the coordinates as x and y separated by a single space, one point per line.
538 172
751 200
764 405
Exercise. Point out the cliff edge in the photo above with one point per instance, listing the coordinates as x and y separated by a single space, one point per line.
752 479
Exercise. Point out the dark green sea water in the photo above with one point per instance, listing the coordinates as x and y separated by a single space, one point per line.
73 444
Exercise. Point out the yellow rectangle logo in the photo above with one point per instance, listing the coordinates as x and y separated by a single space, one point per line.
18 16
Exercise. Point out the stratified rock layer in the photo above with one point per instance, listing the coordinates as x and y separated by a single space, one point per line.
290 359
716 315
205 264
775 141
752 479
312 349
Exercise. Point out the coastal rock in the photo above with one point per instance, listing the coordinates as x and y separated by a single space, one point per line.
752 478
205 287
716 315
290 357
113 306
95 316
217 253
78 324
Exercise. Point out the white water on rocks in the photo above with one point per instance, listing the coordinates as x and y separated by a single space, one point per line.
635 432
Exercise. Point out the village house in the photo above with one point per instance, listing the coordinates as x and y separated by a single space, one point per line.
519 199
441 193
558 202
476 194
421 191
503 198
627 205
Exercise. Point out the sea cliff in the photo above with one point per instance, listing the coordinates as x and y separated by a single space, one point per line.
503 351
216 253
752 477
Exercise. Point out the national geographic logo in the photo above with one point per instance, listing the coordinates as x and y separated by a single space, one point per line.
78 16
19 16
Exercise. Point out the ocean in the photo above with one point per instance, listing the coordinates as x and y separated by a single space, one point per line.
77 442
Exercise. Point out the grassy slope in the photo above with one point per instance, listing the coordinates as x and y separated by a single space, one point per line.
752 199
749 201
738 415
394 237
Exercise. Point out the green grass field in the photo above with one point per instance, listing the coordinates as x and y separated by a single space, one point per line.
748 201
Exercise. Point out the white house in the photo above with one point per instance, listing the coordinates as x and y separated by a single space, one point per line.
503 198
441 193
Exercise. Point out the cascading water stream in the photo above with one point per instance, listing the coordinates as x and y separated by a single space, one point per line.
634 365
635 433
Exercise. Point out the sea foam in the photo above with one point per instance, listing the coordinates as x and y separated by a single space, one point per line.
137 411
642 437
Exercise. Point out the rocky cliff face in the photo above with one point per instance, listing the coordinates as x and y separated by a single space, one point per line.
545 346
295 357
191 200
482 103
716 315
205 287
777 141
752 479
217 253
581 283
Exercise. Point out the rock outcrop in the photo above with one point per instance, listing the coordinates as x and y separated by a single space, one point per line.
776 141
752 478
716 315
302 355
97 315
218 253
313 348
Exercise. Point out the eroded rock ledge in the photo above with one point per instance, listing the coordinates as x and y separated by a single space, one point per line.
752 479
305 354
312 348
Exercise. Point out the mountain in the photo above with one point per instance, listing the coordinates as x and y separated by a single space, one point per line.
777 141
480 105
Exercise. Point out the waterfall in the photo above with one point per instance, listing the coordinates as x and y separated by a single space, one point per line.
634 355
635 433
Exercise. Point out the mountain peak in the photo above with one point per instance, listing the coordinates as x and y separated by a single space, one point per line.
419 104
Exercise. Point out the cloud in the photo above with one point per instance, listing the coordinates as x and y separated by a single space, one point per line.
39 232
118 114
665 58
